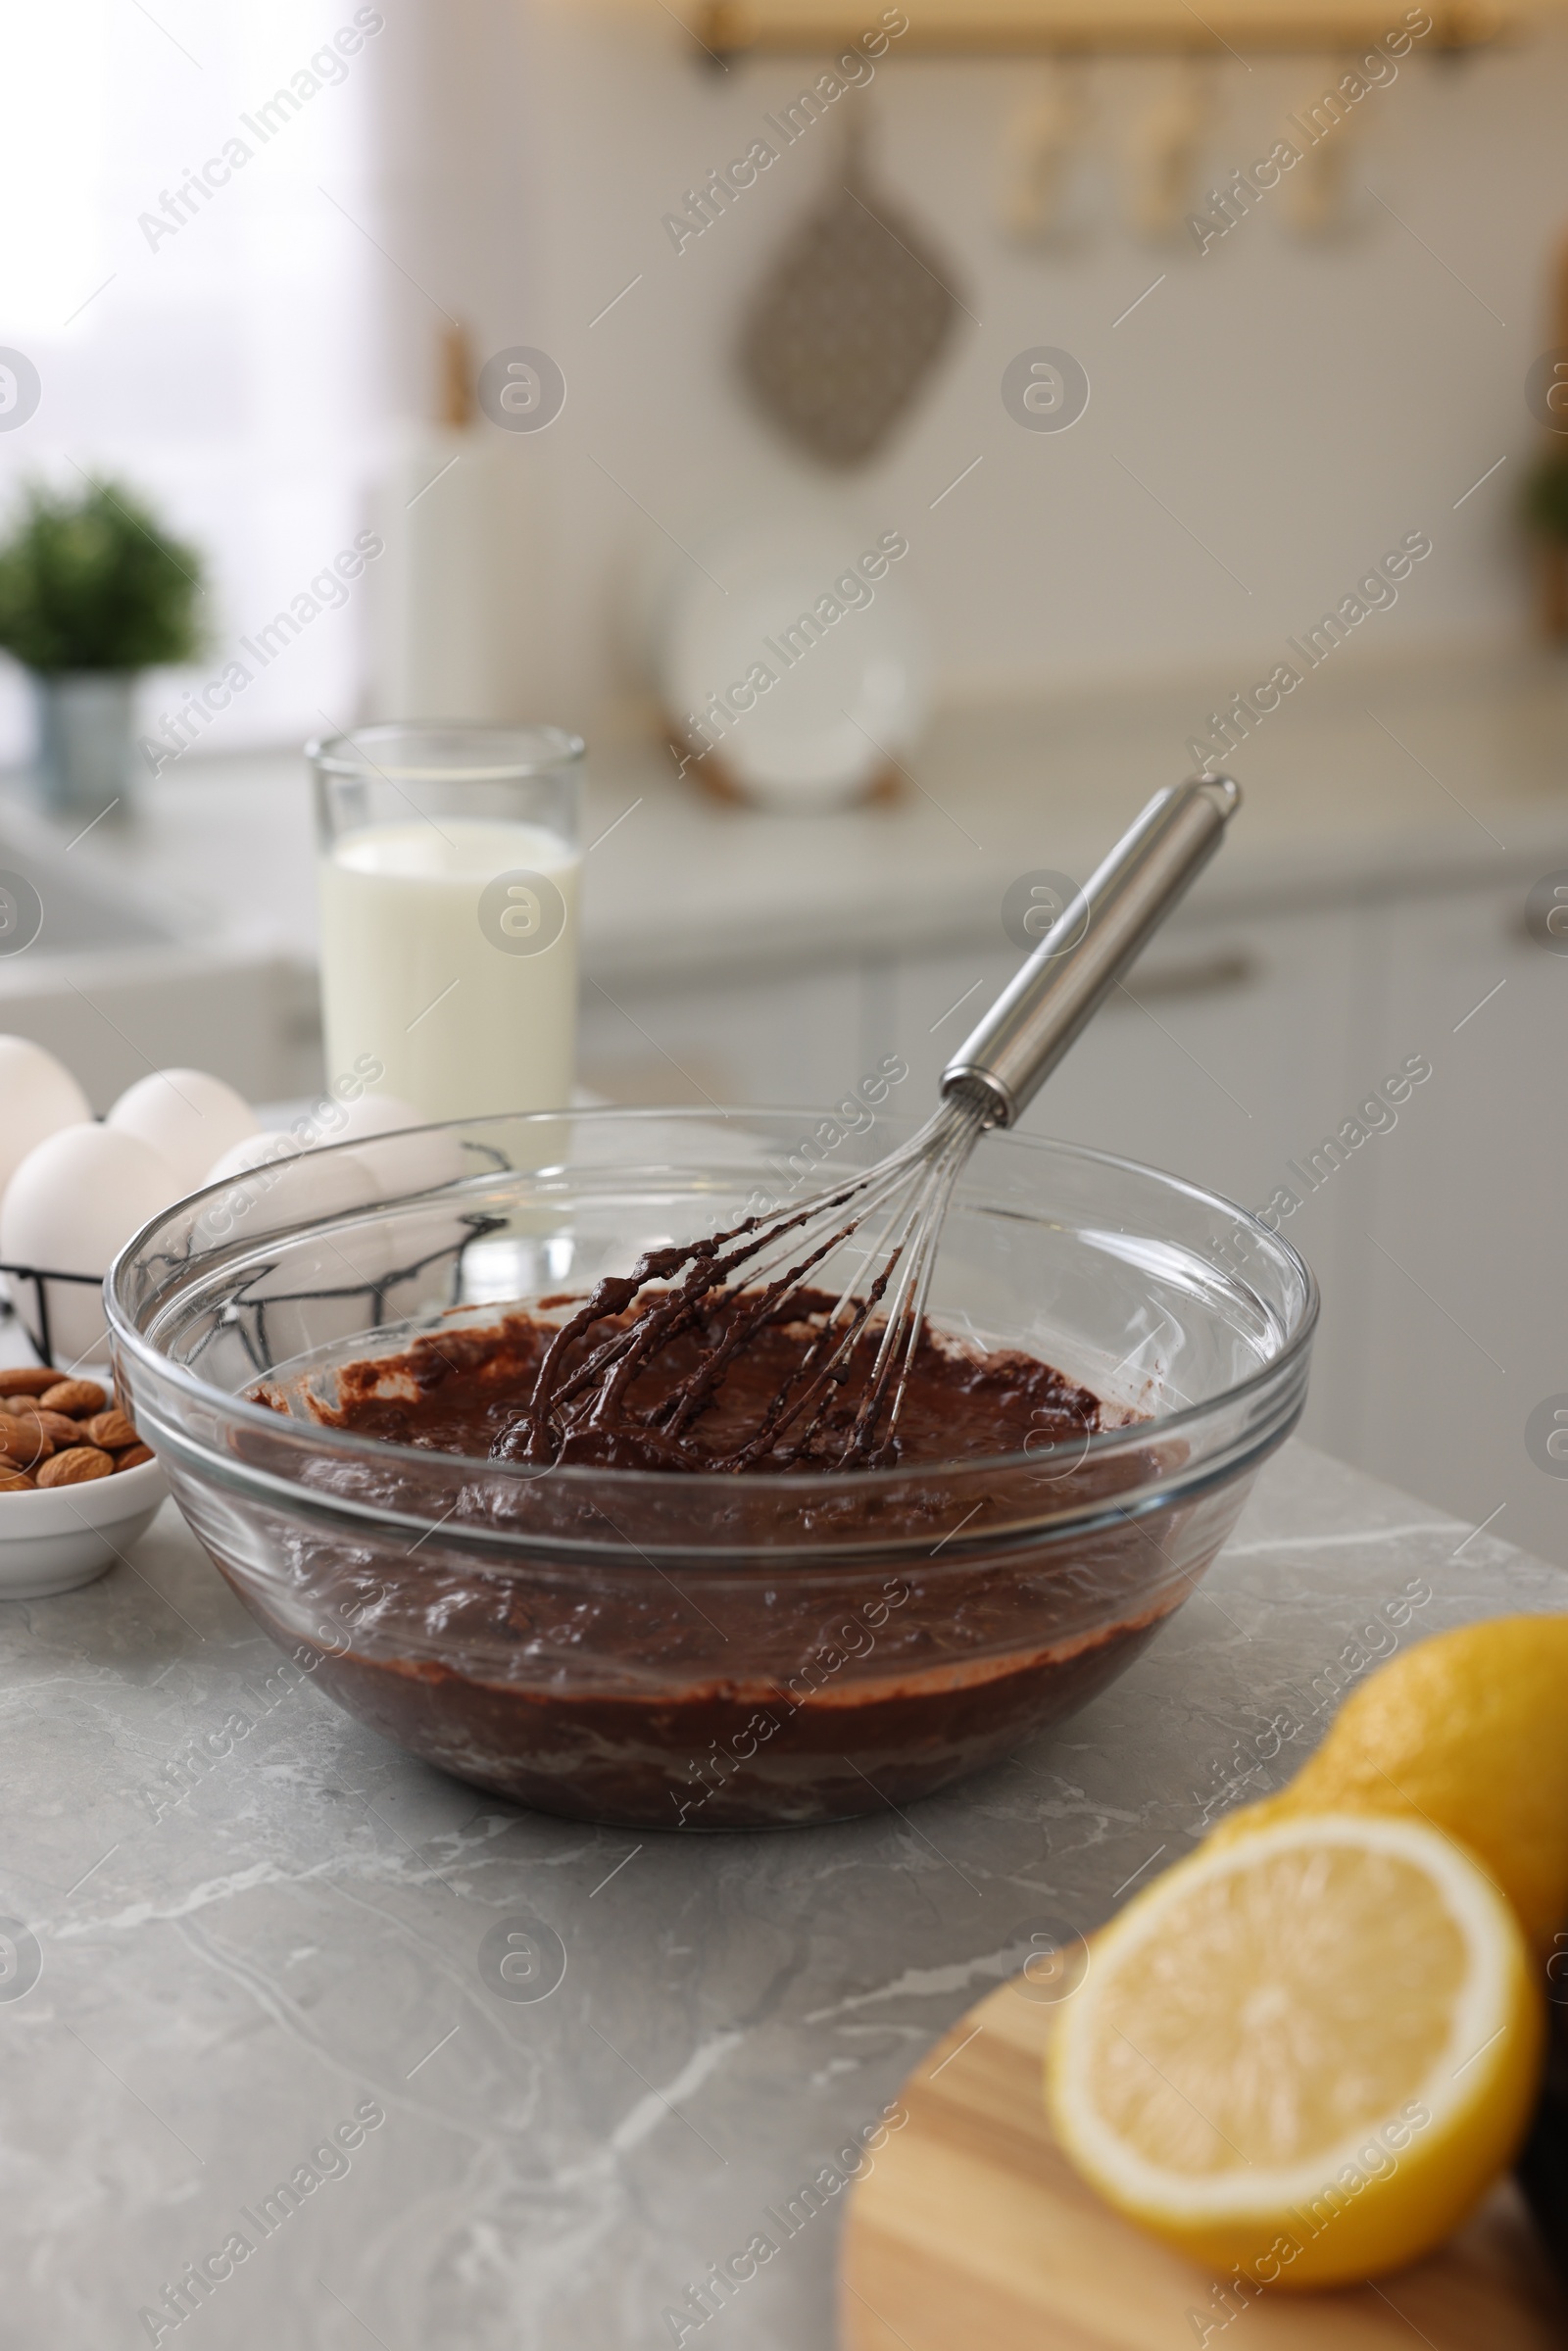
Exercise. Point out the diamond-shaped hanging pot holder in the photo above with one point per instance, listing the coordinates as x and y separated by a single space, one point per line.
849 322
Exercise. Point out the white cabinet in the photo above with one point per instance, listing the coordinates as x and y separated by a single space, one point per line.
1232 1047
1466 1317
1221 1056
793 1037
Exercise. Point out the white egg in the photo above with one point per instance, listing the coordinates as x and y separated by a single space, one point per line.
376 1114
190 1118
288 1187
312 1186
431 1158
70 1208
39 1096
257 1150
320 1285
232 1215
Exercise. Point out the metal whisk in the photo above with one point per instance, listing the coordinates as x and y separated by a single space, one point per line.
839 1403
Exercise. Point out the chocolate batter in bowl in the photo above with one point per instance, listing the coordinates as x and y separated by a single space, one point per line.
1112 1353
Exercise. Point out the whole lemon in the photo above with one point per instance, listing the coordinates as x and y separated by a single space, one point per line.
1469 1731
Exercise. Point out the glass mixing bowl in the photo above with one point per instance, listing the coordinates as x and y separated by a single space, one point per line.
703 1651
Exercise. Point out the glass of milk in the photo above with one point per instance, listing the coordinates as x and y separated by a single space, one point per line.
448 860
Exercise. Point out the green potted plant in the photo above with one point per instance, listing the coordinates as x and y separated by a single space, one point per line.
92 590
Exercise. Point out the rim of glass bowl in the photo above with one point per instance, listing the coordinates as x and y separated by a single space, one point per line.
1279 1370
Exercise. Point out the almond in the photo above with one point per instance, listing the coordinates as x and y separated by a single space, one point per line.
23 1443
76 1466
78 1398
14 1480
111 1429
24 1380
54 1425
134 1457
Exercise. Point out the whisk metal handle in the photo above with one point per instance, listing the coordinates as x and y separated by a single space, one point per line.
1098 934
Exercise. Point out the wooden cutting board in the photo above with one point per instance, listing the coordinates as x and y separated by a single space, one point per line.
973 2233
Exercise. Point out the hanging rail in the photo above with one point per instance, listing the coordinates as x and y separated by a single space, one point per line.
1022 27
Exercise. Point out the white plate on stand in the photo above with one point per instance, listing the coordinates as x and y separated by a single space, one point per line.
849 695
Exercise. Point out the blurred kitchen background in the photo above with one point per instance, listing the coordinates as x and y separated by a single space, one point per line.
1287 382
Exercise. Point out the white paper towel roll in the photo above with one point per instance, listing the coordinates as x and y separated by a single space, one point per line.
456 613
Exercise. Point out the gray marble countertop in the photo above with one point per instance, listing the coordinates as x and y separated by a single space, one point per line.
286 1965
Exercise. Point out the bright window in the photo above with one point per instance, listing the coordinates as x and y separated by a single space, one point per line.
189 265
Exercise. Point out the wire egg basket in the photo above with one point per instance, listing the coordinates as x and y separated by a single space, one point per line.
37 1332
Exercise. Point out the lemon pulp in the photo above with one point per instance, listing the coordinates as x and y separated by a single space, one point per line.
1305 2052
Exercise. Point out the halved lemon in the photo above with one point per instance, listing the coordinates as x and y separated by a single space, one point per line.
1303 2055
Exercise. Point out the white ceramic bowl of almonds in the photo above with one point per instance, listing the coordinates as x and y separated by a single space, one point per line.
76 1489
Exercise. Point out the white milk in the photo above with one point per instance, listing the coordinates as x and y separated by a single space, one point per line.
443 986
